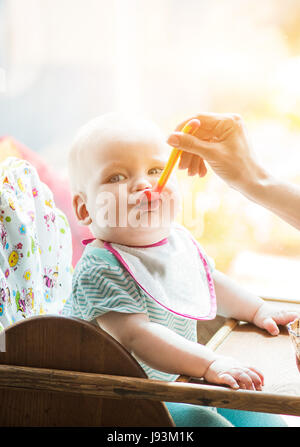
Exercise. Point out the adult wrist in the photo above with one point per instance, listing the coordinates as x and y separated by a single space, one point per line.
254 182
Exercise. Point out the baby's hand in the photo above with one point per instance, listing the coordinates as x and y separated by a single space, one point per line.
267 317
228 371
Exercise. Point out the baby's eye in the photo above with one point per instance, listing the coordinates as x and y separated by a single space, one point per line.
116 178
155 171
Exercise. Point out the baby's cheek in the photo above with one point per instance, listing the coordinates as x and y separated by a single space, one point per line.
174 191
171 202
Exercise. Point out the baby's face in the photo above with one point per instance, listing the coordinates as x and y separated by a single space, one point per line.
118 171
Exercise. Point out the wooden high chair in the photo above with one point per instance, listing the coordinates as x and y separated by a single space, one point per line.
59 371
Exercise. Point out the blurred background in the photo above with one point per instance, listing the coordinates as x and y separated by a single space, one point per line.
67 61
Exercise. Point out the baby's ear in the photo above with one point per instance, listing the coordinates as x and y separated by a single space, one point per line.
80 210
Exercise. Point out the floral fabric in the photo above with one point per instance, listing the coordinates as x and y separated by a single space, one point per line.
35 246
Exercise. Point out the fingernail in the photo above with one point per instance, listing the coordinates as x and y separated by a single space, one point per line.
173 140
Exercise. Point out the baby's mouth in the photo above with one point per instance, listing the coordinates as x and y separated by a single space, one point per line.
149 206
149 201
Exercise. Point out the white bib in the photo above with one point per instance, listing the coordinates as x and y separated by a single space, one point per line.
173 272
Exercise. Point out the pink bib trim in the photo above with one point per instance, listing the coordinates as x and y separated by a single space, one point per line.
156 244
87 241
213 308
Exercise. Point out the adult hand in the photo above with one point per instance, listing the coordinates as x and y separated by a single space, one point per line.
221 140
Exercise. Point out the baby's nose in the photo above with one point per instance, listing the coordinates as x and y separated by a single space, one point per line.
142 184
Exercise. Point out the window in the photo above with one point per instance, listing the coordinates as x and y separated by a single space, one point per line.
66 62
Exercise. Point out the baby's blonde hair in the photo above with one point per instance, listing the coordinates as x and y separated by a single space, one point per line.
106 128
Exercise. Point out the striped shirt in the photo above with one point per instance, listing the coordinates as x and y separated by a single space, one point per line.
101 284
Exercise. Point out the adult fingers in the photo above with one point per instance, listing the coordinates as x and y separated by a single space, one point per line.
181 125
194 165
202 168
209 119
213 124
185 160
192 144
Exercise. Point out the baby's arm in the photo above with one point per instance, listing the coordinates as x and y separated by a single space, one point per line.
236 302
163 349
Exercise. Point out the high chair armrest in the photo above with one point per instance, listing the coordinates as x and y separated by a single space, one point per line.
121 387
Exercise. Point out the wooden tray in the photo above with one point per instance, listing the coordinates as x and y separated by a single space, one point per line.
274 356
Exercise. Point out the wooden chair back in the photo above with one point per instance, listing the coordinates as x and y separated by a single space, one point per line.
73 345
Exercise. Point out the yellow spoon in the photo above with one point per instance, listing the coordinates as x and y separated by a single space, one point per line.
152 195
190 127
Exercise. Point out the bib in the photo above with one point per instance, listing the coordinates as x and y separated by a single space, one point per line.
173 272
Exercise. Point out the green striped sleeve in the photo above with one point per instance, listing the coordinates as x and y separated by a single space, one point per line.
100 287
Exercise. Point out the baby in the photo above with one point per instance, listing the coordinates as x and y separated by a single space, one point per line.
143 278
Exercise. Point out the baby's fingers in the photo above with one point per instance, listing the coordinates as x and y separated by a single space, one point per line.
227 379
281 318
285 317
256 380
258 372
270 326
244 380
